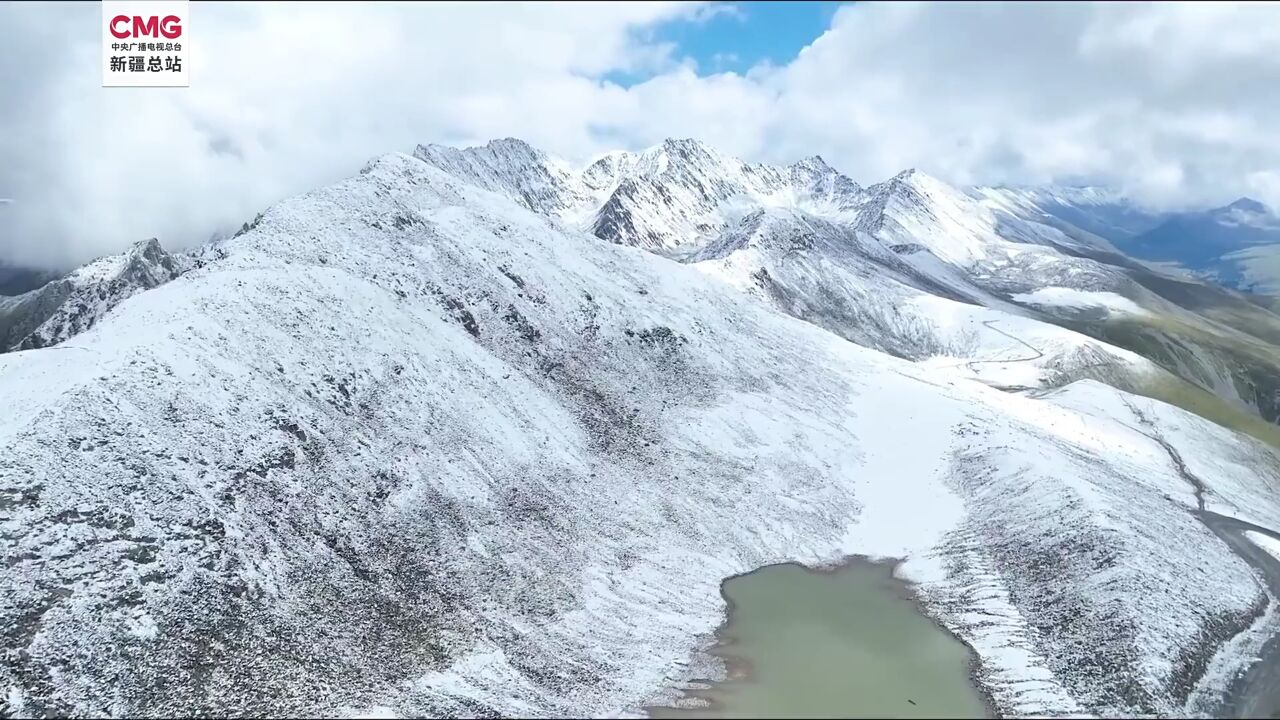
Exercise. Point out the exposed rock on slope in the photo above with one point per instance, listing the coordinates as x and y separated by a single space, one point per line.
513 168
406 445
665 199
72 304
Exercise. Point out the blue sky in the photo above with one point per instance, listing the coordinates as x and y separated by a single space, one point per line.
744 35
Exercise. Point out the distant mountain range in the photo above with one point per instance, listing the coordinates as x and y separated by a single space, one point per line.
1237 245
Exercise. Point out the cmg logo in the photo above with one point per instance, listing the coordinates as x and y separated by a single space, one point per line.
123 26
146 43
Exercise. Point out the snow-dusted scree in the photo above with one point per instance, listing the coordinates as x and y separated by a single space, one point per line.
419 443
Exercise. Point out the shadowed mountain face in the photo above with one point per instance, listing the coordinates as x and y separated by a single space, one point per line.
18 280
1197 240
1237 245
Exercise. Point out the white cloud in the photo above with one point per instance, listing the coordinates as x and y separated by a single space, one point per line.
1175 103
1140 94
283 98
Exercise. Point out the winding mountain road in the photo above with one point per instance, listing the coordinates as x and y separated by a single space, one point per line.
1038 354
1256 691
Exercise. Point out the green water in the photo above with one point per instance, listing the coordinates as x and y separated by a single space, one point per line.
841 643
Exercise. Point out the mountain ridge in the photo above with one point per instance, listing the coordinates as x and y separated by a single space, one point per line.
659 197
71 304
507 470
405 444
685 200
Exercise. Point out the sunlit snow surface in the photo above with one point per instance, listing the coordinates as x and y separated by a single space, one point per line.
1072 298
1266 542
409 447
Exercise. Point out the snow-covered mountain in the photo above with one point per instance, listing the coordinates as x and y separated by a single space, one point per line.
885 293
1101 211
421 443
513 168
1215 339
72 304
888 253
669 198
998 249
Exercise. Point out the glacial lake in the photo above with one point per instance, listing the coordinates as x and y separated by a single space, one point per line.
846 642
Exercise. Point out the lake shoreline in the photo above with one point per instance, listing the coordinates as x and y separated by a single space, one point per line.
737 669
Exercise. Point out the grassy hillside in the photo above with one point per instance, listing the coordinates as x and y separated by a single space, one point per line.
1207 405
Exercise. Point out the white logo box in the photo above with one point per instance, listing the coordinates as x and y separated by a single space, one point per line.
146 43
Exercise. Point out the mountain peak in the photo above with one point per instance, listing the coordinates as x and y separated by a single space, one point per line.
914 181
916 205
68 306
144 257
824 183
1249 205
909 182
685 145
681 150
511 167
915 176
604 172
679 155
814 162
150 246
507 147
514 146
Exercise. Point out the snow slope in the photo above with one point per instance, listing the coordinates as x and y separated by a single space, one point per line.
1266 542
1071 298
406 446
870 265
859 288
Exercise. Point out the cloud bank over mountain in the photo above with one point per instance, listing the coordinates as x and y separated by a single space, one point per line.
1172 103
